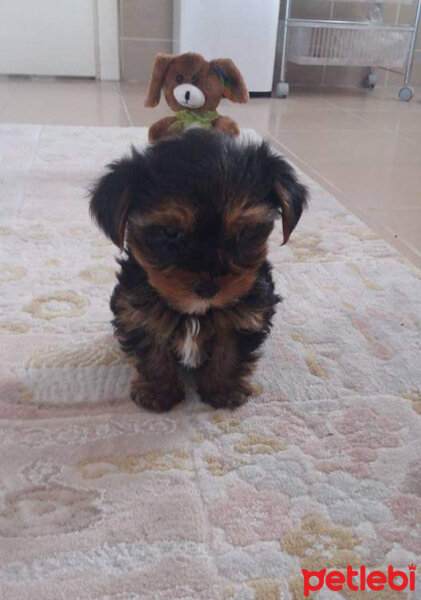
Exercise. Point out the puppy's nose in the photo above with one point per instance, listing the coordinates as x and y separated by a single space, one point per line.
206 289
187 96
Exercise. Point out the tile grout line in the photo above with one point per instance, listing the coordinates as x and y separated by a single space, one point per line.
305 163
28 171
354 113
396 131
9 97
120 44
140 39
125 108
392 233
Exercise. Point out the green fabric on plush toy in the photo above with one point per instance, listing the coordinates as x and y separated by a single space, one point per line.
186 118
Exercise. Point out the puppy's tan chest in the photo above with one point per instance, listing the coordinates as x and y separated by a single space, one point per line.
189 344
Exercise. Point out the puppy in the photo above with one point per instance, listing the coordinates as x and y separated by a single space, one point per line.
194 214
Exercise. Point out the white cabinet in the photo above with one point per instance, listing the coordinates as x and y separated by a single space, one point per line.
244 30
76 38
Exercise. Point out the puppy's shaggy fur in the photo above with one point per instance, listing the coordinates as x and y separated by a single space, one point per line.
195 288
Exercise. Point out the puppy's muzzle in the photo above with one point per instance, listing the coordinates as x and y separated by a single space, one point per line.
189 95
206 289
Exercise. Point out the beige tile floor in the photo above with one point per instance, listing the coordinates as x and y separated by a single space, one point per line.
364 147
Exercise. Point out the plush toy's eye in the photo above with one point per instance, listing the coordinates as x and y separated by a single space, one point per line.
173 234
195 80
179 79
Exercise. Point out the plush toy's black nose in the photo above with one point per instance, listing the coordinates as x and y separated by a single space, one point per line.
187 96
206 289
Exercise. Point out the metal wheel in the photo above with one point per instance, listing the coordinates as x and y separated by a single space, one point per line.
282 90
370 81
406 93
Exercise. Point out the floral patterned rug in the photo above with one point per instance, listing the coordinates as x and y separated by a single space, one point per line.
100 500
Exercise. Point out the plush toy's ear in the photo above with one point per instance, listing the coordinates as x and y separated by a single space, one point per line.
288 194
233 84
112 195
160 67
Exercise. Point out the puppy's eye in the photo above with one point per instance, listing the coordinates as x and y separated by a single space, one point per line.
241 239
246 234
195 80
179 79
173 234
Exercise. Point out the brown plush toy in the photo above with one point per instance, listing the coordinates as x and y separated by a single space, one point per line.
193 89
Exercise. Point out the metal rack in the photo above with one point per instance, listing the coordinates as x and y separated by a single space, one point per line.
350 43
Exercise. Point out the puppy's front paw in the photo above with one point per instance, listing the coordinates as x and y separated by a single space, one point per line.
155 397
228 398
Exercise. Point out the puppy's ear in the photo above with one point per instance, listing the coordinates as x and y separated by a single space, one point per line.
233 85
160 67
112 195
288 195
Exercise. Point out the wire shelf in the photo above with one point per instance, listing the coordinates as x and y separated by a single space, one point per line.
374 46
370 43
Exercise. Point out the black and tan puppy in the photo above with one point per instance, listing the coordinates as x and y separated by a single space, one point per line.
194 214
